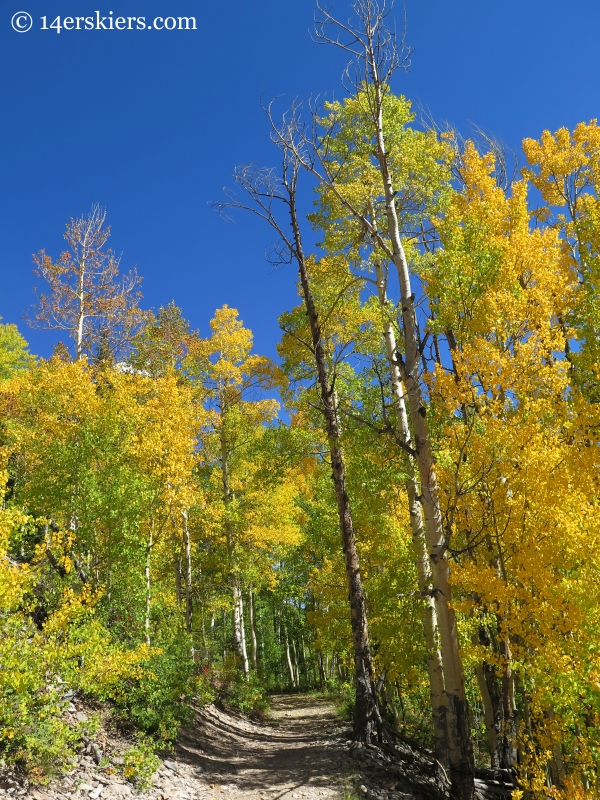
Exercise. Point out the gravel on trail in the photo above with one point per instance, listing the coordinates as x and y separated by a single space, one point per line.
301 752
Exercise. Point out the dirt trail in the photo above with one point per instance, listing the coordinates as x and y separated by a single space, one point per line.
299 753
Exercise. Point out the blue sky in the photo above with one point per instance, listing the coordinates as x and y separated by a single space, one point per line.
150 124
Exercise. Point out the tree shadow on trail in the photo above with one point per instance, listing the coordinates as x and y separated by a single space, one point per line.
302 755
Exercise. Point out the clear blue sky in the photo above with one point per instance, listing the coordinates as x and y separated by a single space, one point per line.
150 124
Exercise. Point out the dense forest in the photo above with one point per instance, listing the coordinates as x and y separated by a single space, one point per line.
401 510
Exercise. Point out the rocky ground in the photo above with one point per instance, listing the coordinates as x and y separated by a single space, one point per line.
301 752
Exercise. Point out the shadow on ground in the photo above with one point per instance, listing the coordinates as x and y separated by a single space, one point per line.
300 754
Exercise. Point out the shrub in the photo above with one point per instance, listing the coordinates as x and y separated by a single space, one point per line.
140 763
156 700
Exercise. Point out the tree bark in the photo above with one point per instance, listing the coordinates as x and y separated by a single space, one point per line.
508 753
243 633
288 656
367 712
304 662
296 667
188 573
80 310
239 638
460 747
261 632
252 620
148 585
177 566
488 688
429 617
322 677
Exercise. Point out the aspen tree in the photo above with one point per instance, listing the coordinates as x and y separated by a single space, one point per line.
419 164
378 55
265 192
517 471
353 348
87 300
564 167
189 609
252 620
14 353
228 375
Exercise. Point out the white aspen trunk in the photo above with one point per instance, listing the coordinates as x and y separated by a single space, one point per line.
148 584
254 638
304 663
188 573
261 632
177 565
460 747
239 639
296 669
81 310
243 634
429 617
288 656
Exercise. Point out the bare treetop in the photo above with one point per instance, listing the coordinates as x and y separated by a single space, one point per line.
377 49
88 299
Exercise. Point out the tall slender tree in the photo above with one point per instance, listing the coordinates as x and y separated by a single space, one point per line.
230 380
265 191
377 54
87 299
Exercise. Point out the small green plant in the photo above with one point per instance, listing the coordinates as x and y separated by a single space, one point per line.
232 687
351 790
204 689
343 693
140 763
247 694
